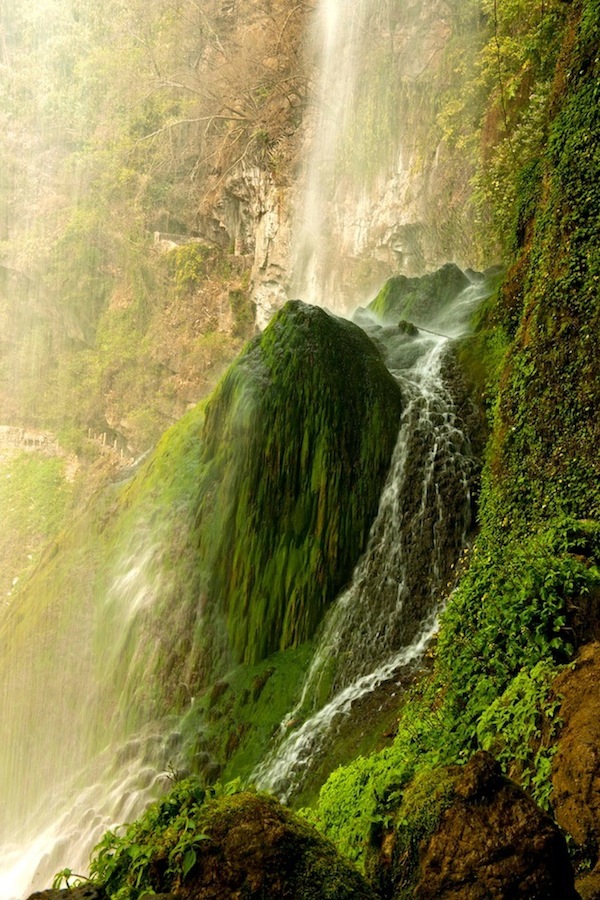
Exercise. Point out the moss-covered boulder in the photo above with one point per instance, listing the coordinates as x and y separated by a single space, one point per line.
296 445
217 845
471 833
255 848
419 300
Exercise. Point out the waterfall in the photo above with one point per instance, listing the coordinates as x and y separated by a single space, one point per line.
339 37
382 624
73 762
71 768
370 199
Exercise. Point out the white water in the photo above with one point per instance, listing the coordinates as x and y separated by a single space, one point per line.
73 816
339 37
72 767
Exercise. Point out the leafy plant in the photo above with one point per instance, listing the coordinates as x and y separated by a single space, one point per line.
157 852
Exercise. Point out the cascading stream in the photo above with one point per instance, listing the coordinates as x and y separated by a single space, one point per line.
383 623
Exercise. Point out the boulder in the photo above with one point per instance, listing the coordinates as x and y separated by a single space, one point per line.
422 299
296 444
494 842
82 892
255 848
576 765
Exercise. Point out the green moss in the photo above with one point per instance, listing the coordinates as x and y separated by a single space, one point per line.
228 730
419 299
219 840
297 441
544 461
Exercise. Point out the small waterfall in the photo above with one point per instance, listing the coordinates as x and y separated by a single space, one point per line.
381 625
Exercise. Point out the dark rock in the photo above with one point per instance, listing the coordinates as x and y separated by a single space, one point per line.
494 842
258 849
83 892
158 897
576 765
407 327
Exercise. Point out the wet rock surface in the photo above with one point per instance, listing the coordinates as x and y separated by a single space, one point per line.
494 842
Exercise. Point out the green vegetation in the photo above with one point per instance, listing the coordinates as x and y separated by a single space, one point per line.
252 511
157 852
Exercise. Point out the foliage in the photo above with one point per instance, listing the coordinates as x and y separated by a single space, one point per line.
503 637
520 728
156 852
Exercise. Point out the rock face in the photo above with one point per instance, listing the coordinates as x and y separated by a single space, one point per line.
493 842
576 766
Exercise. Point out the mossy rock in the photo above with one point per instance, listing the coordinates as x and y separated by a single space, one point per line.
470 832
419 300
297 442
256 848
407 327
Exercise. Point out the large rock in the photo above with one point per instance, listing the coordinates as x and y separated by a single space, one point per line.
297 441
420 300
83 892
258 849
471 834
494 842
576 765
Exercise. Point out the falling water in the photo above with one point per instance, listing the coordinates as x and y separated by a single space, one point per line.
381 626
73 765
338 34
368 205
84 778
